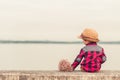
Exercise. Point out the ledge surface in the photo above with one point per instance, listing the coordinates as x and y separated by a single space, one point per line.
57 75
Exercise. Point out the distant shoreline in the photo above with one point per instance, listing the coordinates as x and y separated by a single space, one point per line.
50 42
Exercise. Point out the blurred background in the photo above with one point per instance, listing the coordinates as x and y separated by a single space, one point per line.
58 19
55 20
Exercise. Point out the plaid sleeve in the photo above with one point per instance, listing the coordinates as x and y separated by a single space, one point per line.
78 59
103 56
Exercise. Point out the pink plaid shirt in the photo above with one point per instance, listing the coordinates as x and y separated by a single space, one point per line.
90 57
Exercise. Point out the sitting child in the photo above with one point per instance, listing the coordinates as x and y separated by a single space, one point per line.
91 56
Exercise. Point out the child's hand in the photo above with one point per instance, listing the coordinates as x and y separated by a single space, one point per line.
64 65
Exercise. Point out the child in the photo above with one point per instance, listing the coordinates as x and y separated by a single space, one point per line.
91 56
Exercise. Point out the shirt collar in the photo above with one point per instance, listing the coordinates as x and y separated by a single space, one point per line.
92 43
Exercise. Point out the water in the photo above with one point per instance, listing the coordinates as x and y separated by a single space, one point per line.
47 56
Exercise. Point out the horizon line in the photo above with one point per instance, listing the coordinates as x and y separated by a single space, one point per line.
50 42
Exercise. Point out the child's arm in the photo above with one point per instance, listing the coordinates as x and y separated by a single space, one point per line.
77 60
103 56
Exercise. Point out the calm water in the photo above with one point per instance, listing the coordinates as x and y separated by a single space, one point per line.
47 56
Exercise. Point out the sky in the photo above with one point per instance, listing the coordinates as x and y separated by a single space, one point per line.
61 20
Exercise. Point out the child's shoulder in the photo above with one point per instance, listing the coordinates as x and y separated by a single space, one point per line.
92 48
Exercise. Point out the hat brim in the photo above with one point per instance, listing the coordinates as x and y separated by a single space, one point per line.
80 36
87 38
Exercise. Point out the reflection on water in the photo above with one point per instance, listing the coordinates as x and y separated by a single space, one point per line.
47 56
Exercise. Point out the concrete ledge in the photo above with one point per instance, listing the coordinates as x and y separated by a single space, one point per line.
56 75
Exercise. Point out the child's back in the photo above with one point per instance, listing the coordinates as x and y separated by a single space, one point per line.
91 56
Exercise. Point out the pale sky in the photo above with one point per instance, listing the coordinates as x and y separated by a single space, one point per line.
58 19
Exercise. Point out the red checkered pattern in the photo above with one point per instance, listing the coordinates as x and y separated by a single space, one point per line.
90 57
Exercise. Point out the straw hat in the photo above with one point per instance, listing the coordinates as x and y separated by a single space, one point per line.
89 35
